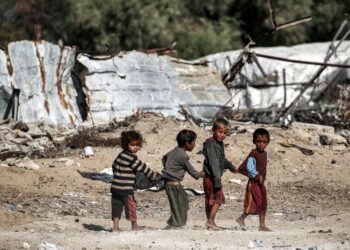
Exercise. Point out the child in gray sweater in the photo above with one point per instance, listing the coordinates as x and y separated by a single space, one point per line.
176 164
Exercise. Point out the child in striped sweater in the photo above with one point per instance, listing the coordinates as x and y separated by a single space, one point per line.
124 168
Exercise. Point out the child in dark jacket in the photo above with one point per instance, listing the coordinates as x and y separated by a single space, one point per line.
124 168
215 163
176 164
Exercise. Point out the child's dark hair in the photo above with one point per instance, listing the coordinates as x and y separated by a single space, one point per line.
260 131
129 136
220 121
185 136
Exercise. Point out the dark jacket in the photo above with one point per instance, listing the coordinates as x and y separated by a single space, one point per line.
215 161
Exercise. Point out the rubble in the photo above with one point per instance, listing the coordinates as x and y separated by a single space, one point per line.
40 139
49 246
28 164
320 135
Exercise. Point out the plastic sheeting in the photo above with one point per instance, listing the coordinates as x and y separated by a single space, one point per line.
42 73
250 89
120 84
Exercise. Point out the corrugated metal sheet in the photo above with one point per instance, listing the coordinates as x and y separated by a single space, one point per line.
120 84
42 72
245 87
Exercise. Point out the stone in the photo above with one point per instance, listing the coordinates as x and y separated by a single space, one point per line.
308 127
28 165
69 163
49 246
26 245
332 139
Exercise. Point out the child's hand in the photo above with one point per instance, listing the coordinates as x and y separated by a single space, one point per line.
158 177
201 174
234 171
261 180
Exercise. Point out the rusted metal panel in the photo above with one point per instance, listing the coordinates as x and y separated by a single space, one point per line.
42 71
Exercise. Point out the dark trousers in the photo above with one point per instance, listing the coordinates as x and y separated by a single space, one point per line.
178 204
124 201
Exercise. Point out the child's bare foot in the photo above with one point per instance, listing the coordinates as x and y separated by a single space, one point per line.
240 222
137 227
265 229
211 226
170 227
116 230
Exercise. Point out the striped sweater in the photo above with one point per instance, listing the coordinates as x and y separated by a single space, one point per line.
124 168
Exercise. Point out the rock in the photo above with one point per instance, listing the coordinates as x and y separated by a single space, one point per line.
339 147
310 132
69 163
12 161
45 142
49 246
62 160
21 126
28 165
21 141
35 131
26 245
232 197
235 181
332 139
59 140
308 127
346 134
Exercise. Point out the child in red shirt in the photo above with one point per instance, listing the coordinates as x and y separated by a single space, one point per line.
254 167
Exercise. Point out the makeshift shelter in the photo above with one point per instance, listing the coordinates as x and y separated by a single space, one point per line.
36 83
281 84
117 85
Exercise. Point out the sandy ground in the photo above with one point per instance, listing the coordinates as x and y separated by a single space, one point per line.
309 198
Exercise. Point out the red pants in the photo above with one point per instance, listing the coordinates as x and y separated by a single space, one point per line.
255 201
212 195
124 201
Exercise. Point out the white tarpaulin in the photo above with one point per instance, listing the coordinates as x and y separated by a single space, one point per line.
250 89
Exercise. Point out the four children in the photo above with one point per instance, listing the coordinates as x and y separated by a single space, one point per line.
176 164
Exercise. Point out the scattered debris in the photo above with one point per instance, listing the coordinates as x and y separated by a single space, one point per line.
49 246
29 165
235 181
325 231
25 245
302 149
255 243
